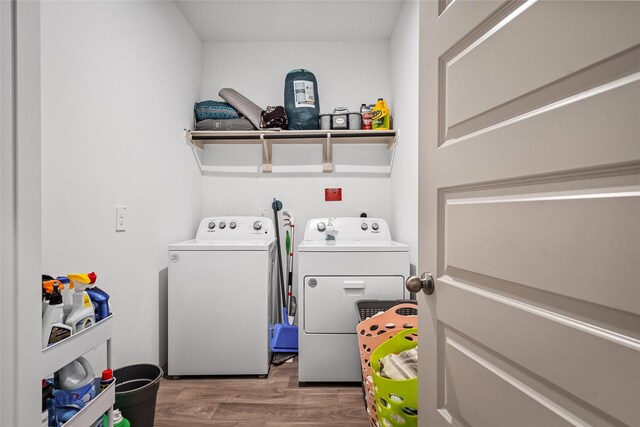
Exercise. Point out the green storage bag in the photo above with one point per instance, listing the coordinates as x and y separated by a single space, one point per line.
301 100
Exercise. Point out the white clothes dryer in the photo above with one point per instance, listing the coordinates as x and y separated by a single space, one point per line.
341 261
221 298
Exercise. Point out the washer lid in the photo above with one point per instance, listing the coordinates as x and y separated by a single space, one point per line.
352 246
223 245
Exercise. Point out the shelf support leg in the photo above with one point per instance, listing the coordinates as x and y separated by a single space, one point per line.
266 154
327 155
109 366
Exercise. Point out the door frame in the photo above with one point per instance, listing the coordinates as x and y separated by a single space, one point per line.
20 213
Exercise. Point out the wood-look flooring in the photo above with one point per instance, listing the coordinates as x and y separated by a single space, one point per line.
270 402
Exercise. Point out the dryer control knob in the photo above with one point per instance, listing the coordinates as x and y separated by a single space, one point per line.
222 225
232 225
212 225
364 226
257 225
322 226
374 226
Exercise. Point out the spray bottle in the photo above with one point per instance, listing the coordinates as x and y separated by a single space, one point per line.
82 314
99 298
67 294
53 328
46 292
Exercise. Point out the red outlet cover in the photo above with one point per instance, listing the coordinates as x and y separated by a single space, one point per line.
333 194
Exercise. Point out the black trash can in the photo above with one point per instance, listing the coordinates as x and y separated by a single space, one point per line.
136 392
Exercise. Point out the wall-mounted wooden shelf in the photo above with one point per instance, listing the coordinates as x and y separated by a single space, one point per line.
267 138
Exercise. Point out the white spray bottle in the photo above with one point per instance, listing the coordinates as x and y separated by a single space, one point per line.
82 314
53 328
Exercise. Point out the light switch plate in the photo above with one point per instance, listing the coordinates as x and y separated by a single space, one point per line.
121 218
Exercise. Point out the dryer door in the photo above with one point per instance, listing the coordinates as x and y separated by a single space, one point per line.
329 301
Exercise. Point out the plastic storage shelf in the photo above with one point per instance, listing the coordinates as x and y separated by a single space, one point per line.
60 354
94 409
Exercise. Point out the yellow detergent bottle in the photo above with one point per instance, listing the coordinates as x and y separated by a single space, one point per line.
380 116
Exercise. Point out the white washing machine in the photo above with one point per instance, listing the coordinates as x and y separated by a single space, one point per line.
221 297
341 261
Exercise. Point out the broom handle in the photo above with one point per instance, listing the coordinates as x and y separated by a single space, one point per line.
282 290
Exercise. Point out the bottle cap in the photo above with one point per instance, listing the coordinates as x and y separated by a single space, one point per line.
107 374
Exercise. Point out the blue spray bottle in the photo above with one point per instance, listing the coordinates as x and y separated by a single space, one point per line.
99 298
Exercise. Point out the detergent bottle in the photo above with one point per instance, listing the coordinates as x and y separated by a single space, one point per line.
82 314
380 116
78 380
53 327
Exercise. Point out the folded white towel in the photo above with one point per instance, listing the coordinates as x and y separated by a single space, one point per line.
401 366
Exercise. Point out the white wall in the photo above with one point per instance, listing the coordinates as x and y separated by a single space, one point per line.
404 88
118 83
348 74
303 196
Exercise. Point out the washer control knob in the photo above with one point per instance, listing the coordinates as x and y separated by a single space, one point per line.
374 226
364 226
212 225
257 225
322 226
222 225
232 225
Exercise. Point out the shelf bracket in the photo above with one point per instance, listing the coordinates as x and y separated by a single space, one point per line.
327 155
189 138
393 142
266 154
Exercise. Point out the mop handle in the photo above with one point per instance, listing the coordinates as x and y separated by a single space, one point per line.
274 205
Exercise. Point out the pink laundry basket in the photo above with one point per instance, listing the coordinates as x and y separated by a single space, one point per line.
372 331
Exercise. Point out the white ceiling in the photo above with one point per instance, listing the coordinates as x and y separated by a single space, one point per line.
291 20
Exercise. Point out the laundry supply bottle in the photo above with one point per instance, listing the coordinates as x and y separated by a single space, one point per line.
367 115
380 120
78 379
118 419
82 314
106 380
46 291
67 294
47 389
99 298
46 296
53 327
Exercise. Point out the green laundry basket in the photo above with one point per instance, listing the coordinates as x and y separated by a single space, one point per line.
396 401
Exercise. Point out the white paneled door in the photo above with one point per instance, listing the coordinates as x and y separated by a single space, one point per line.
530 213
